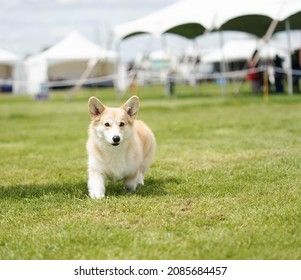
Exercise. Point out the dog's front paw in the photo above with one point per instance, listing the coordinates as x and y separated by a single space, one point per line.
94 195
96 187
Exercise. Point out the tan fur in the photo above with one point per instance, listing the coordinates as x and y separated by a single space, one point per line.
119 146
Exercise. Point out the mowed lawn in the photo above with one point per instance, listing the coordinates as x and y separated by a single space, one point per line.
225 184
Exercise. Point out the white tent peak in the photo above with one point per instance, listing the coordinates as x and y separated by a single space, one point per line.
75 46
7 57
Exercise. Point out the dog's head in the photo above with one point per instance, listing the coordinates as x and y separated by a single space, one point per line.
113 124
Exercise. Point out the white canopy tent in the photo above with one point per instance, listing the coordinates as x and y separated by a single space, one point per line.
191 18
67 61
10 66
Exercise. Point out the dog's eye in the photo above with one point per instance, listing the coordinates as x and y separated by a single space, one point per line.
121 124
107 124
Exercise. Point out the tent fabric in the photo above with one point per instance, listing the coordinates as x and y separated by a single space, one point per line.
8 62
190 18
10 69
256 16
180 13
236 50
8 57
67 60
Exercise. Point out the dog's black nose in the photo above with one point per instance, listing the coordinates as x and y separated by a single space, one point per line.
116 139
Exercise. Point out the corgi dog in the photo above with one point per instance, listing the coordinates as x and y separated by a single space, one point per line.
119 147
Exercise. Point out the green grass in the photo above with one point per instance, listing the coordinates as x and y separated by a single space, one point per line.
225 184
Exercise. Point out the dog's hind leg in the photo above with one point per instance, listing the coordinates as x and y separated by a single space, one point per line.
131 182
140 178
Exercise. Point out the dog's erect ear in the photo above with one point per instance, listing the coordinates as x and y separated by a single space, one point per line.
132 106
95 107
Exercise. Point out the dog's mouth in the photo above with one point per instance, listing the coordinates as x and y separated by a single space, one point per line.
115 144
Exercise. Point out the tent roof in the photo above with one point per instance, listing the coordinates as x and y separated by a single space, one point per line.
187 18
191 18
256 16
74 47
8 57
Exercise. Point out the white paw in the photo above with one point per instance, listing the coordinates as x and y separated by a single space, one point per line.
141 179
96 195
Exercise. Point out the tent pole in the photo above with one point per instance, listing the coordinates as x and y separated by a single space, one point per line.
196 84
290 73
120 81
223 65
90 66
117 67
267 36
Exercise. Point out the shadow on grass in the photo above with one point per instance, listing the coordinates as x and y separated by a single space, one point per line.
39 190
152 187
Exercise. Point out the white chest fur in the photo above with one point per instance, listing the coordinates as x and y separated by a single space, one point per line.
118 163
